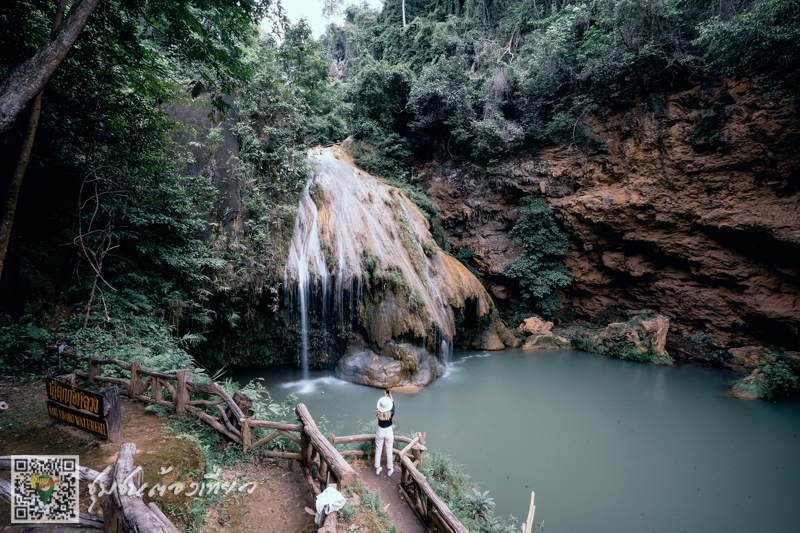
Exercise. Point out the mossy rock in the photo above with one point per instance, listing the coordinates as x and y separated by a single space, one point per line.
397 365
640 339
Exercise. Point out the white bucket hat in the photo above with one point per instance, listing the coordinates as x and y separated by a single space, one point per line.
385 404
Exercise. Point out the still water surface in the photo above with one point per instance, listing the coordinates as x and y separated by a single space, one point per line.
608 445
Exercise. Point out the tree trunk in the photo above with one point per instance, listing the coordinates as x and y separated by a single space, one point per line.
27 80
24 156
404 13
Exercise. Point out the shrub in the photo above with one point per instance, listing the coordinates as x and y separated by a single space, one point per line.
702 337
776 377
539 268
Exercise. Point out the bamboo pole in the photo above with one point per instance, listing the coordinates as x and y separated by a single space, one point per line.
527 527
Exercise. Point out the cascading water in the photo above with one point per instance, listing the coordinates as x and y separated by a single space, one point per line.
363 251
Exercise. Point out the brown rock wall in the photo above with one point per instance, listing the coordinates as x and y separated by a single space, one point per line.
690 207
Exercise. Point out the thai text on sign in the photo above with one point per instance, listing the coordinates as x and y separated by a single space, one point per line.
74 397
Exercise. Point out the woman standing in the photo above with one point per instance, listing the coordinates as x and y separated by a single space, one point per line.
384 435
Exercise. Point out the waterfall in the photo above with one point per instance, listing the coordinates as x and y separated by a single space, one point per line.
363 252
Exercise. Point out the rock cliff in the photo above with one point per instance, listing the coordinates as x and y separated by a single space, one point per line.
689 206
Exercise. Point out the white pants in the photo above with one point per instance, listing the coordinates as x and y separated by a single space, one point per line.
384 436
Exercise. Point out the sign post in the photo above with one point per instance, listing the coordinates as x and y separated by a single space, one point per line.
97 413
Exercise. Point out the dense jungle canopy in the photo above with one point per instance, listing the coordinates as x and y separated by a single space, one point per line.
116 242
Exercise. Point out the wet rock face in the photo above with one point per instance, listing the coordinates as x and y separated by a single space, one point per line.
397 365
643 339
691 208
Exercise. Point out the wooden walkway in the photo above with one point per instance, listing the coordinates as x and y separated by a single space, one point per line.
393 503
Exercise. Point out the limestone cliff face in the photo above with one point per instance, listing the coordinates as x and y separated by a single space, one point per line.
691 207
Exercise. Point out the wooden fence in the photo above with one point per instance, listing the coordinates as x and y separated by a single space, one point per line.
317 454
416 490
233 419
123 508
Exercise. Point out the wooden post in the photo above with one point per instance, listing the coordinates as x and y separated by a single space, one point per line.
113 413
94 368
423 487
422 442
124 509
182 395
344 473
528 527
69 379
157 390
135 378
305 449
323 470
247 440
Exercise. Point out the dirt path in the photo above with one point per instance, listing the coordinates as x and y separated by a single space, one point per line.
275 506
402 515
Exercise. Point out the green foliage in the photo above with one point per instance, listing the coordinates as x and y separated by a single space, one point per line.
702 337
778 374
150 264
415 301
22 348
377 96
376 275
484 80
539 268
482 504
473 508
347 513
371 500
764 38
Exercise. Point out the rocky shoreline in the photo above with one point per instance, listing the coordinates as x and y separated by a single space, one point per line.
643 337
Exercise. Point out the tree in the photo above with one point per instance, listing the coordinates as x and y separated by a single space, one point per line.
7 221
204 37
539 268
27 80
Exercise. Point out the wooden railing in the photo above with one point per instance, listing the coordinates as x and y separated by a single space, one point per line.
123 508
233 420
414 487
318 456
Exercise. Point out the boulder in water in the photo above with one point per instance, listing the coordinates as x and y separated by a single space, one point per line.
496 337
535 326
643 338
750 387
545 342
506 335
397 365
488 340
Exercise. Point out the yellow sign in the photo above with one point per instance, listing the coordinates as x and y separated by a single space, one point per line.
74 397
